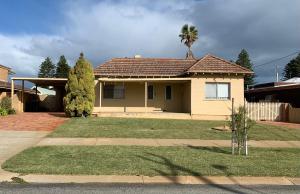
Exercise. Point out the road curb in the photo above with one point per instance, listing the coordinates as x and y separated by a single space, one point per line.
35 178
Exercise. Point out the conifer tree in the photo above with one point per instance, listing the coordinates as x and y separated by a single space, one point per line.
292 69
244 61
62 68
47 68
80 93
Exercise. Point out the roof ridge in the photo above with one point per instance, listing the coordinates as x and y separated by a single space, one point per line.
148 58
218 58
197 62
230 62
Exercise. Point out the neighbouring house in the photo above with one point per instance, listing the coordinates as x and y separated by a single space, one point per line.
20 98
201 87
287 91
47 99
43 91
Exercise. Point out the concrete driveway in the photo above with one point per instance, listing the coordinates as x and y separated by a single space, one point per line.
13 142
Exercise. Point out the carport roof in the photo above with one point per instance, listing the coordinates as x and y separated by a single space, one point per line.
43 81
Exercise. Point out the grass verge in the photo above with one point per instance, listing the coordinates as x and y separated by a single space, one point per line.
164 128
139 160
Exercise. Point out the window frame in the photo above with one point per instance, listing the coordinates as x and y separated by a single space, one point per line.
153 95
171 96
217 97
113 92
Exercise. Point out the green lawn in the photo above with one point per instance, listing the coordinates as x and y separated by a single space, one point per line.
164 128
140 160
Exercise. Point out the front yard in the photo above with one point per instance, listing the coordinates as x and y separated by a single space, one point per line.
167 161
164 128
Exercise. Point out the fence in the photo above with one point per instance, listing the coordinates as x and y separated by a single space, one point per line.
294 114
269 111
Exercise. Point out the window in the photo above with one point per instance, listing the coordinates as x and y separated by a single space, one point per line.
111 91
150 92
217 91
168 93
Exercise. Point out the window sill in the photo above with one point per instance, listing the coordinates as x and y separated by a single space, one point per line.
113 98
217 99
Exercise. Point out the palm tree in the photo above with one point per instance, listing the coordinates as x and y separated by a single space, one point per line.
188 35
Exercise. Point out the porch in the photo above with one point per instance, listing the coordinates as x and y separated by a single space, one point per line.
132 96
148 115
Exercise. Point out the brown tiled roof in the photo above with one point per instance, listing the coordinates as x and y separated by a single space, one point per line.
4 67
143 67
7 86
166 67
213 64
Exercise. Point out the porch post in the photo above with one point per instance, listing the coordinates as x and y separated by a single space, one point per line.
22 95
191 98
36 98
12 93
100 94
146 95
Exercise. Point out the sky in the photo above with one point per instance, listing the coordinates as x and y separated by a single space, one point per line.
32 30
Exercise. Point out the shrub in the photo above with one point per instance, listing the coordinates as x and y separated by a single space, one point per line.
3 112
11 111
242 124
5 103
80 92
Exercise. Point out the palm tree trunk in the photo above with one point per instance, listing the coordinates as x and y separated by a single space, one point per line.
190 53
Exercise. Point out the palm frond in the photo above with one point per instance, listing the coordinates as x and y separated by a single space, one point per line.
188 35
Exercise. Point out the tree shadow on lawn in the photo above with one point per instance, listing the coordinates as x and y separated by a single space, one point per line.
211 149
174 170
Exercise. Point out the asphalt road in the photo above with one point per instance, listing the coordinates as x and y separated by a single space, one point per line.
138 188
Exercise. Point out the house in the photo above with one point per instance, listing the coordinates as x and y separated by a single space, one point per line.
287 91
43 91
201 87
47 99
5 89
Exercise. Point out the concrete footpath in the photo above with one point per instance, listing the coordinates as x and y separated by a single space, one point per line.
13 142
162 142
32 178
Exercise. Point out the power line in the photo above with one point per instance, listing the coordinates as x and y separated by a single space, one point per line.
278 59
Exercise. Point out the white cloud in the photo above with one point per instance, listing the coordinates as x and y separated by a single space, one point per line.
102 30
12 54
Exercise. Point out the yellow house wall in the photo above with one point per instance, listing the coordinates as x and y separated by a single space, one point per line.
2 95
215 109
188 96
3 74
17 101
17 104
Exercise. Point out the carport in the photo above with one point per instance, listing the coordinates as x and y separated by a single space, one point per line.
22 104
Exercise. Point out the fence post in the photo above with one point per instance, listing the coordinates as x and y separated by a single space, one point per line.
233 126
245 129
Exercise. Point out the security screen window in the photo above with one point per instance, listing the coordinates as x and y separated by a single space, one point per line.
217 91
112 91
150 92
168 93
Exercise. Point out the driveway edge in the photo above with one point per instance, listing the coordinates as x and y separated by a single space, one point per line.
35 178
